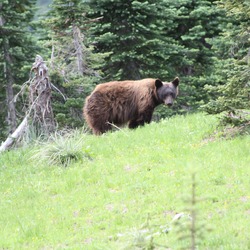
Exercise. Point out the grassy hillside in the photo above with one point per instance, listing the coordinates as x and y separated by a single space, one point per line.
123 190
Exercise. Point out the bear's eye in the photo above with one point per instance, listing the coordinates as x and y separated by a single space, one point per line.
170 94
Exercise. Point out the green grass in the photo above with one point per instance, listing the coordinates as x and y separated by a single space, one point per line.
128 178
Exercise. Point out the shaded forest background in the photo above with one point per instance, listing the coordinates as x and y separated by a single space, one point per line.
206 43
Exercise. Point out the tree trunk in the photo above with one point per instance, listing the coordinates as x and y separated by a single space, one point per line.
9 81
15 136
79 50
132 71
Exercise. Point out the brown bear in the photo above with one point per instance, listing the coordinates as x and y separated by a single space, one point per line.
131 102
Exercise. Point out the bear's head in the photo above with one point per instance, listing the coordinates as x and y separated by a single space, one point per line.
167 91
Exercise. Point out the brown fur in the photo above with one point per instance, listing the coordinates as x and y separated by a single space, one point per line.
126 101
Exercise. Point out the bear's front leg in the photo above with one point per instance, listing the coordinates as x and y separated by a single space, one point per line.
133 124
141 120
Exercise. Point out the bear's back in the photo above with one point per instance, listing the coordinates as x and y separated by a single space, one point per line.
128 84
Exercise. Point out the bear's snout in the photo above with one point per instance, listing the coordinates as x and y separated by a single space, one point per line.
168 102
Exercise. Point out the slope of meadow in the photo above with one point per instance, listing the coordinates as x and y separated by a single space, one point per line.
122 190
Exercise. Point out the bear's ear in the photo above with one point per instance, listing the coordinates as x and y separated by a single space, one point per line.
158 83
176 81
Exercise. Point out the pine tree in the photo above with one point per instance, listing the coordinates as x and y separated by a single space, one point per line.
195 24
231 96
69 24
131 32
72 61
17 53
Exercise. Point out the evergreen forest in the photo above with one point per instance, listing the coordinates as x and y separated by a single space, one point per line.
206 43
